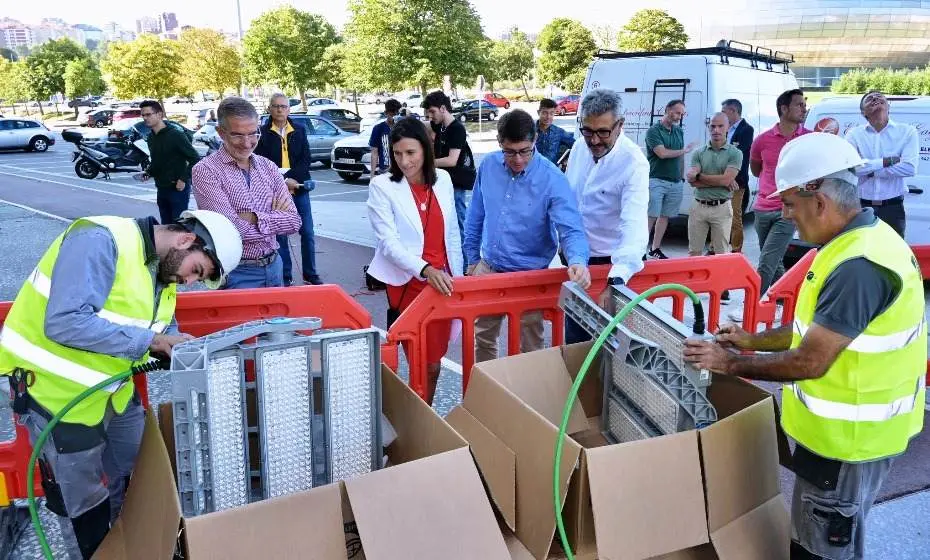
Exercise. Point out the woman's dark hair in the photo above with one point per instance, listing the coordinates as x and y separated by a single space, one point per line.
415 130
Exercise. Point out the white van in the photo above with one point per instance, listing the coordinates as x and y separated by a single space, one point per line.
703 78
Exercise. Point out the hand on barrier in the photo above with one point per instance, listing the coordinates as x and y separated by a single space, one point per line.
439 280
579 274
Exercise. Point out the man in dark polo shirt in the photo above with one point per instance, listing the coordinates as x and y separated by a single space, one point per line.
713 175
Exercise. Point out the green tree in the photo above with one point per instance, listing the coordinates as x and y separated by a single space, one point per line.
285 46
415 42
605 36
567 47
146 67
8 54
82 77
513 59
47 65
14 83
652 30
210 63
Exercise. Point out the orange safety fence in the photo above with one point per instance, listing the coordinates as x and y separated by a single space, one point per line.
201 313
514 294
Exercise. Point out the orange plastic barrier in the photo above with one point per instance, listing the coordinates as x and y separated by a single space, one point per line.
514 294
200 313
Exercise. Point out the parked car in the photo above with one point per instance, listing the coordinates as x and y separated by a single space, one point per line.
205 138
25 134
567 104
129 113
343 118
83 102
468 111
321 102
351 157
497 100
200 116
321 134
99 118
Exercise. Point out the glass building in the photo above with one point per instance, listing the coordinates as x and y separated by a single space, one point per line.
827 37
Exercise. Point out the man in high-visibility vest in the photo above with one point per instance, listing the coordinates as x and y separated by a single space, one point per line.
100 301
854 360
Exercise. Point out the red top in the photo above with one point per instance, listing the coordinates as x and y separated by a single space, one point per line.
434 230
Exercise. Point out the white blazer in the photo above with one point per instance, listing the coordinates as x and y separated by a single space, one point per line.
392 211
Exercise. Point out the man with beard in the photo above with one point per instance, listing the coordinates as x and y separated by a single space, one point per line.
100 301
610 178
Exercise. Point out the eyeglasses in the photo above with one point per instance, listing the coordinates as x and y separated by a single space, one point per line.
280 106
525 153
241 138
602 133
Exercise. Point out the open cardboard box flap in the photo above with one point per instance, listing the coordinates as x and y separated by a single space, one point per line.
429 503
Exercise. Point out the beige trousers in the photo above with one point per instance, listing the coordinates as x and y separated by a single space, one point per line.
488 328
718 219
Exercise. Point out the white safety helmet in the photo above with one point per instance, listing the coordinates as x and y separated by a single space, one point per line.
818 155
221 240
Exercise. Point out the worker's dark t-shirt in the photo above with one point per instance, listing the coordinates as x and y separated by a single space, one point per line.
455 137
856 291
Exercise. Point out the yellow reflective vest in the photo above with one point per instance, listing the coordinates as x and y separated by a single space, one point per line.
62 372
870 402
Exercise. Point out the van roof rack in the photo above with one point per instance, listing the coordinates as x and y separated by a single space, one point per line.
725 49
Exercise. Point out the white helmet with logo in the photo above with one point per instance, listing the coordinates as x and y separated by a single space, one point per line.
813 156
221 241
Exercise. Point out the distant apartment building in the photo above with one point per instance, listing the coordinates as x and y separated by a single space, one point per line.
16 36
169 22
148 24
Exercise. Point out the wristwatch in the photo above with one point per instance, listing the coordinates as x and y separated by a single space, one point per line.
615 281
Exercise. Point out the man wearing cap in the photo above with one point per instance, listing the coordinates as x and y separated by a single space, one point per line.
891 151
853 361
100 301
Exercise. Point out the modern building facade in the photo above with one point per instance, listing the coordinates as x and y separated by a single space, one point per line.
827 37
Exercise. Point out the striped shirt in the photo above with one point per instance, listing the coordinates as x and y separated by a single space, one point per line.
220 185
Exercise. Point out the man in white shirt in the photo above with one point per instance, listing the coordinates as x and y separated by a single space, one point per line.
891 151
610 178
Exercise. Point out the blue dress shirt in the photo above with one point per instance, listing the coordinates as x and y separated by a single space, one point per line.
516 222
550 142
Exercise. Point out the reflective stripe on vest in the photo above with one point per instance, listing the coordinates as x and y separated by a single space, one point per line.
859 412
52 363
43 285
872 344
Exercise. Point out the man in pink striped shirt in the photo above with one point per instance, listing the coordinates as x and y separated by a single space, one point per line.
250 191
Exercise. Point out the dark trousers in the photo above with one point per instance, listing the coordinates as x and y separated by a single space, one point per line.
891 212
307 242
573 331
171 202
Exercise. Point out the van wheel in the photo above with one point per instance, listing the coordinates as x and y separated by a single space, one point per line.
349 176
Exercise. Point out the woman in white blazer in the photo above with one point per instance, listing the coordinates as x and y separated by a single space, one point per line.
412 211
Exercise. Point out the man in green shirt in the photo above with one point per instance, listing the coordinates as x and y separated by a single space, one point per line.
713 175
665 151
172 157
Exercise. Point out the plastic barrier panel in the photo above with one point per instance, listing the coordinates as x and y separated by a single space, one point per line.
201 313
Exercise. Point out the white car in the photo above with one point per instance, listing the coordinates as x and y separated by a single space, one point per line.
321 103
351 157
25 134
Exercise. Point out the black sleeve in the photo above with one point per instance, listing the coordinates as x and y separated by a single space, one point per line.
854 294
299 152
456 137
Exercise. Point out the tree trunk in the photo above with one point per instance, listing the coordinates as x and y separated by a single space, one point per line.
355 97
41 111
525 92
302 94
75 111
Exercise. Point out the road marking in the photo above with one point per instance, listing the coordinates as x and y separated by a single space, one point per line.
450 365
36 210
335 194
23 169
72 185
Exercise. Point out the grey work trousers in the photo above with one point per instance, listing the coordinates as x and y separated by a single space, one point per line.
816 513
488 328
775 234
89 477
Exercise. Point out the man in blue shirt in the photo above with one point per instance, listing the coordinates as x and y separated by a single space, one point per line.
379 142
522 209
551 140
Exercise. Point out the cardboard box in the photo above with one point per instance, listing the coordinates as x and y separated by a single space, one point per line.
710 493
430 503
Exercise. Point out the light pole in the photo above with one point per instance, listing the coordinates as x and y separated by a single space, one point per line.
241 48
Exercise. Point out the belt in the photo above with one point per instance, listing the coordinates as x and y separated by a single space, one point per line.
887 202
594 261
712 202
261 261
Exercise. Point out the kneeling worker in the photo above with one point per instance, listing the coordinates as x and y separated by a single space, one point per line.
99 302
854 359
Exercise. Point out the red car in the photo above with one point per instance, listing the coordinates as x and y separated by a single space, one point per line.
497 100
127 114
567 104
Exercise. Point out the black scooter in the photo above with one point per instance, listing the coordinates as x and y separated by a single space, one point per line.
117 153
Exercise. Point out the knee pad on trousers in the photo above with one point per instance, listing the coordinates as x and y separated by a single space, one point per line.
91 527
798 552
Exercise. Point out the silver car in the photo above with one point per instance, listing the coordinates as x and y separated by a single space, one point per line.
25 134
322 134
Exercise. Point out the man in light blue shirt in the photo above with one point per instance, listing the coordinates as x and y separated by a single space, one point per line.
522 209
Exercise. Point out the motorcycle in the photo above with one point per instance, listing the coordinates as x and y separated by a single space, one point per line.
119 152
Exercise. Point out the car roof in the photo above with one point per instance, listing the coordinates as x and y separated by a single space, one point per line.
19 119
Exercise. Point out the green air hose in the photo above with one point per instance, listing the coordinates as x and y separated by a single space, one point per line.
43 436
576 386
